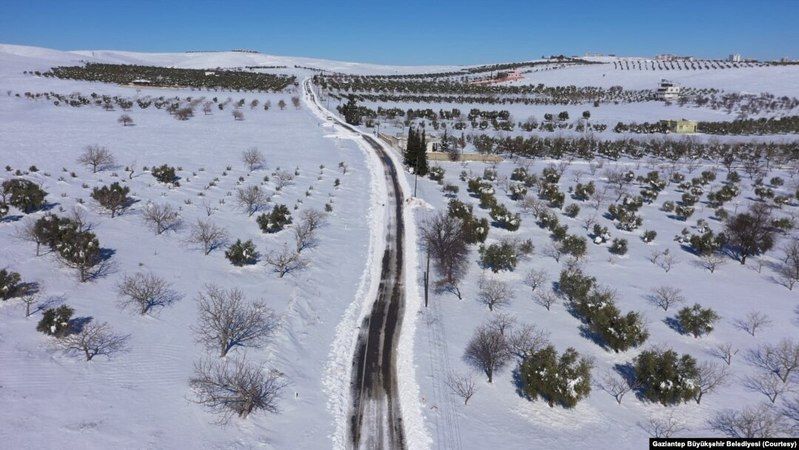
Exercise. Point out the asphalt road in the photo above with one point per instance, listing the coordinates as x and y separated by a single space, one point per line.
375 417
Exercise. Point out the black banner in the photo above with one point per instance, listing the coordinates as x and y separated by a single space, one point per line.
714 443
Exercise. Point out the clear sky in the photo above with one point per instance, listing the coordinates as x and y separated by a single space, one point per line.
411 31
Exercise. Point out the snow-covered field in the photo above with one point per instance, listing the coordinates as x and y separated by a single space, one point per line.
141 398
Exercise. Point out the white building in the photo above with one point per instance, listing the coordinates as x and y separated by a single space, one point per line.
735 57
668 90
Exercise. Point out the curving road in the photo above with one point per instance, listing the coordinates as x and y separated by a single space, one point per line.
375 418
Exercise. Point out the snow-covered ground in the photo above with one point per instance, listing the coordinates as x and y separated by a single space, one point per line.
141 398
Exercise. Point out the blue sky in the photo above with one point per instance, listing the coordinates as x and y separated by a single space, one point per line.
411 32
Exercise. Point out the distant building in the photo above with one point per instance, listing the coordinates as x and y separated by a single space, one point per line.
682 126
735 57
668 90
672 57
400 141
141 82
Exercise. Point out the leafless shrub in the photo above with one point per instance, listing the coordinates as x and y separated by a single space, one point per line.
526 340
282 179
463 386
767 384
285 261
92 340
781 359
662 427
253 158
161 217
535 279
235 387
305 230
295 101
252 199
752 422
29 299
494 293
488 350
710 376
790 415
226 320
210 236
554 251
724 351
754 321
616 385
712 261
546 298
238 114
26 231
666 296
667 261
502 322
96 157
145 291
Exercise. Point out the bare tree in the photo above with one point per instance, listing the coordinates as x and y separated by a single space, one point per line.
554 251
305 230
488 350
285 261
790 414
226 320
235 387
445 240
29 299
145 291
616 385
667 261
92 340
494 293
252 199
754 321
752 422
503 323
712 261
295 101
662 427
253 158
535 279
27 232
781 359
546 298
666 296
96 157
161 217
767 384
788 271
238 114
282 179
526 340
463 386
709 377
724 351
210 236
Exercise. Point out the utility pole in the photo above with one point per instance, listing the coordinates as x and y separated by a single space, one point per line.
426 278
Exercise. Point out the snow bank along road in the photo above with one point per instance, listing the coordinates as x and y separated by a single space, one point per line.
375 418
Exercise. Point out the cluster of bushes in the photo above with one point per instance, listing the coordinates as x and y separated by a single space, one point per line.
170 76
76 247
475 230
22 194
596 308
